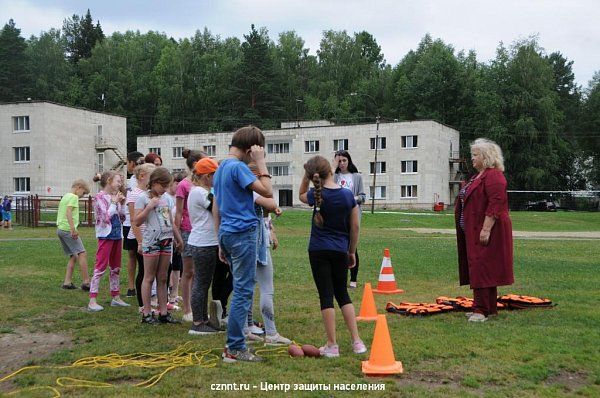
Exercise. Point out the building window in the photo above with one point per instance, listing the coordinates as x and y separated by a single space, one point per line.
381 167
20 124
381 144
154 150
408 191
380 192
311 146
22 184
177 152
409 141
22 154
211 150
100 163
278 147
340 145
281 170
409 166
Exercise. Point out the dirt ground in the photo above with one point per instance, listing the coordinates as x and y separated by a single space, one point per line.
20 346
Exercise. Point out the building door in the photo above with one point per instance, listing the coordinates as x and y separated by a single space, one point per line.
285 197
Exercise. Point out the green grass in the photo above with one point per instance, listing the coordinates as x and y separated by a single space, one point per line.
521 353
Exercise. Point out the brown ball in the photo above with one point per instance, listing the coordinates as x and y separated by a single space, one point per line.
311 351
295 351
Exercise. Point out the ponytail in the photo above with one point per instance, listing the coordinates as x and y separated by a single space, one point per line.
316 179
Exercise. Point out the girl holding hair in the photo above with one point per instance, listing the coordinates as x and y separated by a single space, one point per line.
184 226
347 176
134 238
154 209
110 214
332 248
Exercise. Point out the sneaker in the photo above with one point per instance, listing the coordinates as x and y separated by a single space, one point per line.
131 293
149 319
468 314
224 322
189 317
359 347
168 319
352 285
202 329
277 339
477 317
232 356
118 302
256 330
332 351
85 287
215 313
252 338
95 307
70 286
172 307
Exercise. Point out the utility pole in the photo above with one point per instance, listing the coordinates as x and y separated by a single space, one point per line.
375 167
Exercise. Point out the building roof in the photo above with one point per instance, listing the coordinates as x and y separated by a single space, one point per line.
63 105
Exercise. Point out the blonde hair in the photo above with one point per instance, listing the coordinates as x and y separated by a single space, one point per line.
145 168
490 153
81 184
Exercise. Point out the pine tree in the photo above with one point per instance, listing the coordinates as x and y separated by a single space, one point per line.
14 65
82 36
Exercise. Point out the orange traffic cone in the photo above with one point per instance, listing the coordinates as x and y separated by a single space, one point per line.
381 360
368 310
387 282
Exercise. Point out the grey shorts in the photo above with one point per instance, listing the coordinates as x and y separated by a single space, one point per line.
71 247
187 249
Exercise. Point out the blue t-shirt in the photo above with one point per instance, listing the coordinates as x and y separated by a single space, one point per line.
234 197
336 209
115 231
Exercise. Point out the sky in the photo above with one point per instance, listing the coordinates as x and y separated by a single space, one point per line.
568 26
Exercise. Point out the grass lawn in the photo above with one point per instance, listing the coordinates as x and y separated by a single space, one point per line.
535 353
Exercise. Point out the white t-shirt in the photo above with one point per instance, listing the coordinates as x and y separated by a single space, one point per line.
203 225
132 197
131 183
346 181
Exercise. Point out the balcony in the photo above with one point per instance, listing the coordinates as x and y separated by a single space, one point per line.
454 157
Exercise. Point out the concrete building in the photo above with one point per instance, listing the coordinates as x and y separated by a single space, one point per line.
417 162
45 146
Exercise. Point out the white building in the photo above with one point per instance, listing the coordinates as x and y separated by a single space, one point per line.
417 162
45 146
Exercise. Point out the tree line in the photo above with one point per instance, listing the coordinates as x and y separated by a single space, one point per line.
524 99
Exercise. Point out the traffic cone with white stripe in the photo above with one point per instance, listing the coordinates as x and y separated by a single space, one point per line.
387 282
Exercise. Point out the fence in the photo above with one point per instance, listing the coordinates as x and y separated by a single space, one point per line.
36 211
554 200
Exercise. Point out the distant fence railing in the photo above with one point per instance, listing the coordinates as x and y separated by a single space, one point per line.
554 200
36 211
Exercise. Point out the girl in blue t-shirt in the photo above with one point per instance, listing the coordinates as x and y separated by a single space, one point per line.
332 248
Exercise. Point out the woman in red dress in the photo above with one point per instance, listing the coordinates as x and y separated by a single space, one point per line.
484 230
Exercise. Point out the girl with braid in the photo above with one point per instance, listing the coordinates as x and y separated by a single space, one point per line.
332 248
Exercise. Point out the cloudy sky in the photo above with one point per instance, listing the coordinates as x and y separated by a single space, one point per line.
568 26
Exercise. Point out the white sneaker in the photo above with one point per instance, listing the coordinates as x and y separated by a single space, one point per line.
256 330
189 317
95 307
118 302
252 338
353 285
224 322
477 317
277 339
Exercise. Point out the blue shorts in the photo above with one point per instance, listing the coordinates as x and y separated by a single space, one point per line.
6 215
159 248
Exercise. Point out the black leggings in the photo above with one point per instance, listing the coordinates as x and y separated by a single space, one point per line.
330 272
222 285
139 278
354 270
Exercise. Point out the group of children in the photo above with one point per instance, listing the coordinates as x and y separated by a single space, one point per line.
217 231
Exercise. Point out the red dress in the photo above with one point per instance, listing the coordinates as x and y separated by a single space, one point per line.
491 265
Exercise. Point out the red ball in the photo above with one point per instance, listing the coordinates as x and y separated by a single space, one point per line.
311 351
295 351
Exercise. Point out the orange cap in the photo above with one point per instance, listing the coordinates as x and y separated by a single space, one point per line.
205 166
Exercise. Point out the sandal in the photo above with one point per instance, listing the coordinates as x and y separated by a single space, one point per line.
70 286
85 287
